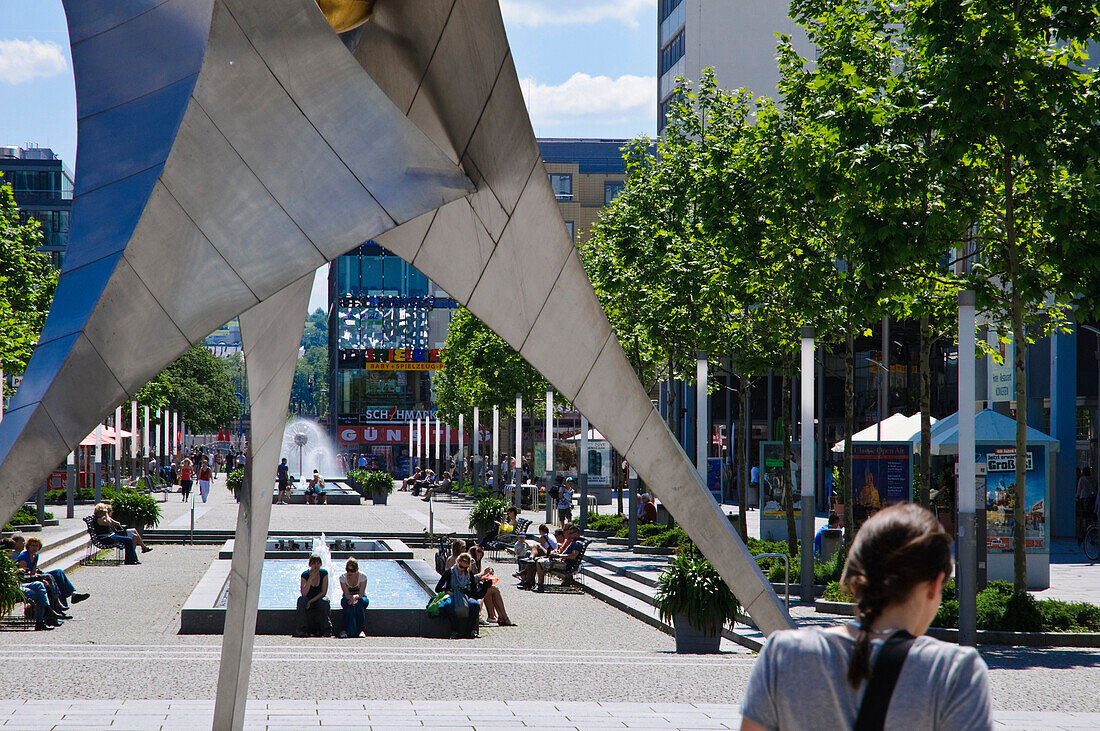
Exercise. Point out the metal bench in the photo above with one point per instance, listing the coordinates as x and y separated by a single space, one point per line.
567 571
97 544
508 541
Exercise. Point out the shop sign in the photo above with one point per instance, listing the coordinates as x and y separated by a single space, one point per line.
392 359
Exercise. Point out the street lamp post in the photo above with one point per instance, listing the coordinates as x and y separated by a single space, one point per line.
807 383
968 548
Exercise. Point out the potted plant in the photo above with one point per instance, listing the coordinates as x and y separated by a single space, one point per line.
357 481
692 595
376 485
135 509
486 513
235 481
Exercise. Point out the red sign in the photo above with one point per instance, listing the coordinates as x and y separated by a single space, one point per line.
56 480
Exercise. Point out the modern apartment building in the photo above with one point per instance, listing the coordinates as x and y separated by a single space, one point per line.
43 188
586 175
736 38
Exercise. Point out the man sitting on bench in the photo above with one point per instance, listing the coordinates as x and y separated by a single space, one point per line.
568 551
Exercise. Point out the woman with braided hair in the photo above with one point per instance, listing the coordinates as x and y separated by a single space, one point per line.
877 672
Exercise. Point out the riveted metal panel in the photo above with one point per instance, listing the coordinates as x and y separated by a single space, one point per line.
29 437
400 167
199 290
112 67
503 146
87 19
531 252
455 269
565 362
104 219
129 139
74 299
231 206
612 398
81 394
273 137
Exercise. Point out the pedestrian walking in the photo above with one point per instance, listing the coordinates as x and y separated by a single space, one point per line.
205 475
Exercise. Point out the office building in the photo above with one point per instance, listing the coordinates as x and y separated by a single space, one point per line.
586 175
43 189
736 38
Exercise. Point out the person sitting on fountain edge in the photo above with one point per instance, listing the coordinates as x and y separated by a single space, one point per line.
313 604
315 493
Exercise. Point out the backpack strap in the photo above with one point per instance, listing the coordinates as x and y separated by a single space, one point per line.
884 676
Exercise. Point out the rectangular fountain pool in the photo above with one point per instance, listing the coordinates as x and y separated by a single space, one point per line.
389 585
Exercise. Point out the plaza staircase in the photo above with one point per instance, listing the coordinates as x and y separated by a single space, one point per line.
628 581
63 545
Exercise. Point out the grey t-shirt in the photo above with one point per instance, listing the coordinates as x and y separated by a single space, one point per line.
800 681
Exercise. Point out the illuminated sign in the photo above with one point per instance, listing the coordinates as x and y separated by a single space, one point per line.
386 301
392 359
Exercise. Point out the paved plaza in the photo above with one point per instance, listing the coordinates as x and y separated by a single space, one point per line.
572 663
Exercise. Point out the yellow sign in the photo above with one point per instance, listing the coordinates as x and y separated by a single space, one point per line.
403 366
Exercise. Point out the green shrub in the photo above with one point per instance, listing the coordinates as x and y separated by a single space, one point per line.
833 593
692 588
136 509
830 569
948 614
11 592
25 515
486 513
669 538
1059 616
606 523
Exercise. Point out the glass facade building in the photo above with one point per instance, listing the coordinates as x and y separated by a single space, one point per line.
43 189
388 326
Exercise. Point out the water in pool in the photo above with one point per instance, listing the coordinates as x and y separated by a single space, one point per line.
389 585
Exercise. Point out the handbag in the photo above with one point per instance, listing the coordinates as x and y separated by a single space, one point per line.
435 604
482 588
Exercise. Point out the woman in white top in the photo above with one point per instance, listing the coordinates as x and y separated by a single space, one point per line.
818 678
353 584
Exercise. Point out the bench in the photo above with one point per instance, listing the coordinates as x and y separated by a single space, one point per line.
567 571
508 541
97 544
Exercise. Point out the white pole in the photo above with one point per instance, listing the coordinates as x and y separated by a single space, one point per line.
967 558
476 445
447 444
412 445
518 494
807 381
461 441
98 457
702 416
175 431
582 474
496 436
133 430
145 435
549 432
118 444
164 444
438 464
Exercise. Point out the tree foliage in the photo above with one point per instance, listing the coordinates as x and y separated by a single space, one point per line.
27 281
197 385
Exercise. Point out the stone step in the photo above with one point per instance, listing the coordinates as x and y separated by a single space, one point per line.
64 548
637 599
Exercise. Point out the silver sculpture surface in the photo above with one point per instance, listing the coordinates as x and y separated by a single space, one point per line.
228 148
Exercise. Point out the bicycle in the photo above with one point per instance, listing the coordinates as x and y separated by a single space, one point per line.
1091 542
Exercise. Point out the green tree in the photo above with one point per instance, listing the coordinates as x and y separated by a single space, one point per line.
1017 102
315 333
197 385
27 282
310 390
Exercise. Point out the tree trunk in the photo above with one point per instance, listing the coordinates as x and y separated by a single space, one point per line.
1019 506
743 456
925 482
787 480
849 430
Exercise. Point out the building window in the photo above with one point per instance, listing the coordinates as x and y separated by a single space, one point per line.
666 8
611 190
673 52
562 183
571 227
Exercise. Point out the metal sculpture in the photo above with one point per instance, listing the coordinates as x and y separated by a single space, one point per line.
227 148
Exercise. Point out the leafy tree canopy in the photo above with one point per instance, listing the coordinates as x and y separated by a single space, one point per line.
27 282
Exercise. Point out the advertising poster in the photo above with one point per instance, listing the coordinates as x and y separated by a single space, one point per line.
1000 481
882 473
599 463
714 477
772 480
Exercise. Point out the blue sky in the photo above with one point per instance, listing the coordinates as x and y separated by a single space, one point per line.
587 68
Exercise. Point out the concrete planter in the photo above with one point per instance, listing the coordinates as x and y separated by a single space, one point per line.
690 641
654 550
381 498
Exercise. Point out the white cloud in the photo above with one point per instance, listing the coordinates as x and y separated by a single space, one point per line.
593 99
22 61
534 13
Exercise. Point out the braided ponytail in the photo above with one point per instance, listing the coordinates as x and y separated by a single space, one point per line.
894 551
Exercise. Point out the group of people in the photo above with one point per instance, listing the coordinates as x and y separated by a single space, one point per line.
425 481
112 533
314 609
199 465
315 488
49 594
536 556
469 587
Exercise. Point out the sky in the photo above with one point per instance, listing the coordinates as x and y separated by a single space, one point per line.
587 68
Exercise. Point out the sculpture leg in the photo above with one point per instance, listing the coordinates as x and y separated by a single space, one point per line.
271 333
